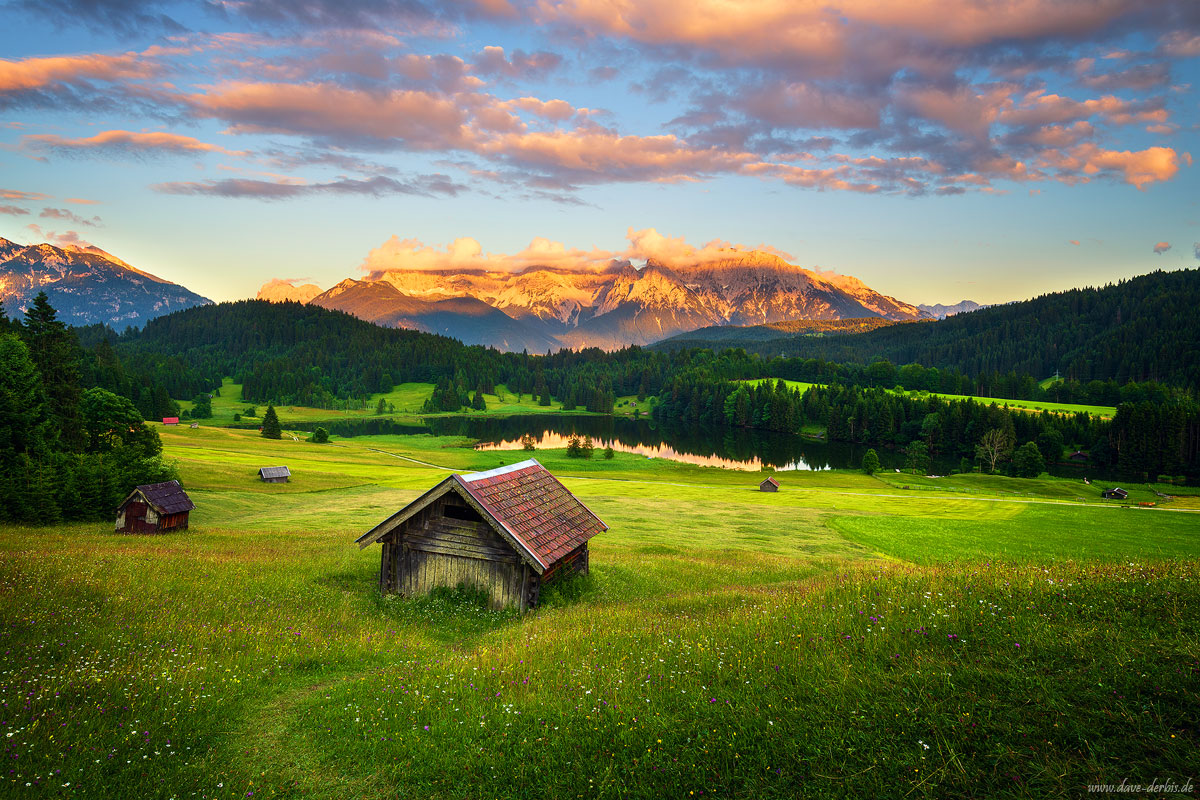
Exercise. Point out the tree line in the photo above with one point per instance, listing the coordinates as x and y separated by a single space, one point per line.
66 452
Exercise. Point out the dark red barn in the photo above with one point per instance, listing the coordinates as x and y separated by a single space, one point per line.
507 531
155 508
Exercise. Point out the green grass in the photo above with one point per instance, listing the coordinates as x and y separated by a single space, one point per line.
1028 405
969 636
1105 412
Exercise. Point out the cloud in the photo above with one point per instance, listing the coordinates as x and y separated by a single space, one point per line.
466 253
69 216
378 186
14 211
1161 248
80 201
1074 242
60 239
416 120
278 290
15 194
1196 249
121 16
118 142
492 62
1139 168
36 73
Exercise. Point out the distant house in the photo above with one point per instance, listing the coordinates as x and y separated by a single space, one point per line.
769 485
274 474
194 425
170 420
507 531
1115 494
155 508
1079 457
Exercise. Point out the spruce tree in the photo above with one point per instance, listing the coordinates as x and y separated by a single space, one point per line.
53 349
270 424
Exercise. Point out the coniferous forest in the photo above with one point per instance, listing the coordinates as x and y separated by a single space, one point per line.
74 400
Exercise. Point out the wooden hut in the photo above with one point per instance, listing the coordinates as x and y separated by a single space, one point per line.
274 474
769 485
507 531
1115 494
155 508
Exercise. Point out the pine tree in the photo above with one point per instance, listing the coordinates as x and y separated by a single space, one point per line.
270 424
870 462
53 349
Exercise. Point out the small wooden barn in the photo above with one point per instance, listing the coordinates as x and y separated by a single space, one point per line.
769 485
507 531
155 508
1115 494
274 474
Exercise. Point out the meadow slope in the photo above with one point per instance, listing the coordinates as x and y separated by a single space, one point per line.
849 636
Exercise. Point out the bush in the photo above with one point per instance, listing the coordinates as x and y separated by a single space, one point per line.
870 462
608 453
1027 461
320 436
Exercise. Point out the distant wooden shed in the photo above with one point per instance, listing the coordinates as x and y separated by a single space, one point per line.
507 531
769 485
1078 457
155 508
274 474
1115 494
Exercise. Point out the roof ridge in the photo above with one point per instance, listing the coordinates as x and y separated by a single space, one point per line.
471 477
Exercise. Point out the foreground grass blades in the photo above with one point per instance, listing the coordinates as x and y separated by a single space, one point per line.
842 637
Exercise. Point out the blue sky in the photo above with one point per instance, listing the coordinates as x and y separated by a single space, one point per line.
935 149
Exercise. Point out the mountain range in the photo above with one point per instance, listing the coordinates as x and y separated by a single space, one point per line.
545 308
940 311
86 285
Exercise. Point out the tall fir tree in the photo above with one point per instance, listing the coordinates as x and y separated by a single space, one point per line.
53 348
270 424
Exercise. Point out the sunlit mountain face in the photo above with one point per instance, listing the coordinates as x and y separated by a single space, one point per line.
542 308
86 285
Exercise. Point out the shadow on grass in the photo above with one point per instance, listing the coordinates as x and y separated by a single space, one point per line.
456 617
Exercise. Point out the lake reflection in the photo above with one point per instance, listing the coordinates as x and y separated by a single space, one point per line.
552 440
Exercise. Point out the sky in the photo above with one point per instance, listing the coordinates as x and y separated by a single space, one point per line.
938 150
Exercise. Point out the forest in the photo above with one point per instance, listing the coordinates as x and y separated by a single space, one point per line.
66 452
1141 329
287 353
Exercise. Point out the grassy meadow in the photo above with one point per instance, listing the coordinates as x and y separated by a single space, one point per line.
404 401
1105 412
848 636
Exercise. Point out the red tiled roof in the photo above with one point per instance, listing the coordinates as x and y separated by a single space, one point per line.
771 481
536 509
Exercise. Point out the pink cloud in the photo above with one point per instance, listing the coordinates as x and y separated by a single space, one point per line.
1139 168
466 254
418 119
818 33
69 216
127 141
15 194
35 73
66 238
14 211
1161 248
1074 242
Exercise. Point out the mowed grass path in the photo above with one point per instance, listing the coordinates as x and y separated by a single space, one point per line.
842 637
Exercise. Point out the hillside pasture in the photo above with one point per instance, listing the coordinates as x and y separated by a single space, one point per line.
843 637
